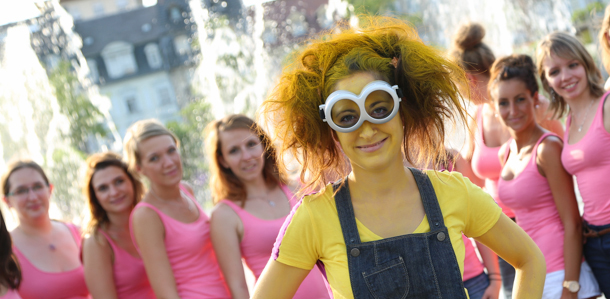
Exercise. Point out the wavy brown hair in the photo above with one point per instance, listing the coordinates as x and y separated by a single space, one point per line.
516 66
469 50
223 182
16 165
97 162
10 272
385 47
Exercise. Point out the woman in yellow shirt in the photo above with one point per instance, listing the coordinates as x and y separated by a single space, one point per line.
358 105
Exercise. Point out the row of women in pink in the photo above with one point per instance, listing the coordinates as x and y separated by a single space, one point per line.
47 251
252 202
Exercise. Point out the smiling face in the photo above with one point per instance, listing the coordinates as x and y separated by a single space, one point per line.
566 76
113 189
160 160
29 194
515 104
242 152
371 146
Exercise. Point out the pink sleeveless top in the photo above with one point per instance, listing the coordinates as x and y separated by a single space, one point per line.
529 195
257 244
130 278
486 164
589 160
38 284
191 255
472 265
11 294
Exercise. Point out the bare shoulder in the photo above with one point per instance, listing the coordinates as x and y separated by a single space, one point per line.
188 187
224 214
96 243
145 215
550 146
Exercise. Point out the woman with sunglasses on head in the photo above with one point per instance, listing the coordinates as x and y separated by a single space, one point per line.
534 184
252 203
48 251
169 228
10 273
364 100
569 74
113 267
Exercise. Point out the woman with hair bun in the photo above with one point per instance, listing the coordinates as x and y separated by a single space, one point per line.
480 158
534 183
567 71
10 273
113 267
364 100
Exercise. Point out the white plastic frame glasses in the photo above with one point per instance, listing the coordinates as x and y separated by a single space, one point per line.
360 100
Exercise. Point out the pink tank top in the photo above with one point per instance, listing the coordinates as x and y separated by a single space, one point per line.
472 264
486 164
11 294
130 278
191 255
589 160
257 244
38 284
529 195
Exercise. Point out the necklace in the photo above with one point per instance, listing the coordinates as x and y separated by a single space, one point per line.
585 117
181 197
50 244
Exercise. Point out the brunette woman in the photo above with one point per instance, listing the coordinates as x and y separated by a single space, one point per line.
10 273
169 228
362 99
113 267
48 251
569 74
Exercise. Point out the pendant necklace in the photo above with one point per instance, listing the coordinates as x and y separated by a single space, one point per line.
585 117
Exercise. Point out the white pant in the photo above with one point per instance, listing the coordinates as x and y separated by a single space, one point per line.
553 286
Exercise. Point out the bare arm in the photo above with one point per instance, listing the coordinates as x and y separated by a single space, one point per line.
149 235
526 257
464 166
268 286
225 233
549 160
97 262
490 261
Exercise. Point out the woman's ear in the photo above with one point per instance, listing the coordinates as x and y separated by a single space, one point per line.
222 162
536 99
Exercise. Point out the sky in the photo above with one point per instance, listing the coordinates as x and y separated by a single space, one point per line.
17 10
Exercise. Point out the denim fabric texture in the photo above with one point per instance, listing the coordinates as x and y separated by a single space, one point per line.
507 271
409 266
477 285
597 254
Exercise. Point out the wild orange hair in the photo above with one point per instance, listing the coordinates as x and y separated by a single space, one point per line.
389 49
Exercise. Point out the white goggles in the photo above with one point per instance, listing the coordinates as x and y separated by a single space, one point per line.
378 102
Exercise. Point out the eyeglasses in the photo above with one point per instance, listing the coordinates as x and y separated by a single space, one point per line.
24 191
378 103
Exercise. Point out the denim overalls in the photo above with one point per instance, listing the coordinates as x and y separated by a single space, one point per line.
408 266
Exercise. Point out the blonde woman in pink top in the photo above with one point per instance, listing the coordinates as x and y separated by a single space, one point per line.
113 267
10 274
169 228
252 203
569 73
534 184
48 251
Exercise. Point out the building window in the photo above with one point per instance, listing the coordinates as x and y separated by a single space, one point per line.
182 45
153 56
165 96
132 104
98 9
121 5
93 73
119 59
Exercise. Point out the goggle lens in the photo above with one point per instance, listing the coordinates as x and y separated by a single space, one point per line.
346 113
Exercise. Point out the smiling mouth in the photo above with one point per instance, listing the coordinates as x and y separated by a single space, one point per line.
369 146
570 86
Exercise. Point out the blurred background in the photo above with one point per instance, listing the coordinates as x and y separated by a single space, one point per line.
75 74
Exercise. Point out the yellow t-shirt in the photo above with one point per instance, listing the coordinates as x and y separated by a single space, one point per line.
314 232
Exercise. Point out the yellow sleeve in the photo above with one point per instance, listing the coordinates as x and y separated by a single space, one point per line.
297 243
483 212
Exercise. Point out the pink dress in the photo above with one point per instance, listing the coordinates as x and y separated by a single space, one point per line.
486 164
257 244
38 284
472 264
130 278
191 255
529 195
589 160
11 294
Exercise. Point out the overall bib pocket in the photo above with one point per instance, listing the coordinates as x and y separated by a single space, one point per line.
388 280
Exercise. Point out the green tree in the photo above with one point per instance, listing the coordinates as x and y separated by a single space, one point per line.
85 119
370 6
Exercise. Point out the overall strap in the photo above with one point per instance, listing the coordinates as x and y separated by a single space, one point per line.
347 218
429 200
